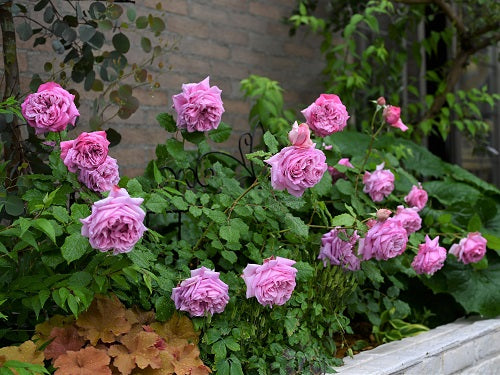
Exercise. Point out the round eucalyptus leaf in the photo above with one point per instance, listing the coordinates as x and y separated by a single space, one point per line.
57 46
48 15
24 31
121 43
86 32
69 35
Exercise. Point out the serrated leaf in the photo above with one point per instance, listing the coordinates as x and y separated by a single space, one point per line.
156 203
219 349
229 233
45 226
179 203
343 220
221 134
74 247
230 256
271 142
296 225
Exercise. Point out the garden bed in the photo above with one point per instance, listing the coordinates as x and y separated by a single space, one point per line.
469 346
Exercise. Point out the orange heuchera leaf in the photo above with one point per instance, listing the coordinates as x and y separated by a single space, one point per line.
26 352
186 360
42 330
104 320
87 361
177 330
142 317
64 339
167 367
137 349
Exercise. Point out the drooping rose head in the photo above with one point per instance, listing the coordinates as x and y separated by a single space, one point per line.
430 257
383 214
335 173
327 115
300 136
272 283
203 293
87 151
379 183
199 107
116 222
391 115
409 218
470 249
50 109
384 240
339 252
297 169
102 178
417 197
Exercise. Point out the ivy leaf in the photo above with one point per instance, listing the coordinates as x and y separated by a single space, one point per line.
74 247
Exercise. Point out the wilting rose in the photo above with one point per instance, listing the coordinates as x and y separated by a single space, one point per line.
391 115
336 175
384 240
339 252
409 218
199 106
430 257
272 283
102 178
297 169
116 222
202 293
300 136
87 151
379 183
327 115
50 109
383 214
417 197
470 249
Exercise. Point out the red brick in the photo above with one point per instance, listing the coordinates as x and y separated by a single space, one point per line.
231 69
247 56
267 10
301 49
233 4
151 97
208 13
205 49
181 63
188 27
171 6
143 134
237 106
228 35
249 22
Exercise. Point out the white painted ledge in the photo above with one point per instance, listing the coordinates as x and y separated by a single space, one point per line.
466 346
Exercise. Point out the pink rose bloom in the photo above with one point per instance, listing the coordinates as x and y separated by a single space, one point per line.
327 115
417 197
470 249
391 115
199 107
300 136
338 251
386 239
409 218
378 184
430 257
50 109
297 169
202 293
87 151
272 283
336 175
103 178
381 101
115 222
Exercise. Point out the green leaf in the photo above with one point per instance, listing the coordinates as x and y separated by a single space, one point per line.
493 242
211 336
141 22
449 192
86 32
131 14
60 214
146 46
121 42
45 226
156 203
156 24
14 206
230 256
291 324
164 308
74 247
271 142
229 233
24 31
304 271
231 344
343 220
372 271
235 366
73 304
179 203
176 149
219 349
79 211
221 134
296 225
345 187
474 224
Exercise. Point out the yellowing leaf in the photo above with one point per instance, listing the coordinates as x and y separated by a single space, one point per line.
88 361
42 330
104 320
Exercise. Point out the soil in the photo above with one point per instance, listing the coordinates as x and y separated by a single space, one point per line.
362 339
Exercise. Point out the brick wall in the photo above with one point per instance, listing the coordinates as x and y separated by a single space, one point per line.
225 39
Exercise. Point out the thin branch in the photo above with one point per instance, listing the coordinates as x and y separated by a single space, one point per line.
455 19
413 1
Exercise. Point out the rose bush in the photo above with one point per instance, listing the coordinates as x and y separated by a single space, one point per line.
268 230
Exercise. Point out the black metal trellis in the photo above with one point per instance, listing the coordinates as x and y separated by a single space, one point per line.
198 175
